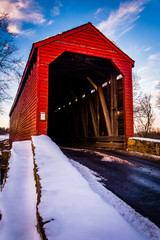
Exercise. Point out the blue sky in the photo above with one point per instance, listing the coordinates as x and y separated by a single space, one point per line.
133 25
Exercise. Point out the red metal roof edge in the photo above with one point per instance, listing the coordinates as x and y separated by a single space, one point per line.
58 36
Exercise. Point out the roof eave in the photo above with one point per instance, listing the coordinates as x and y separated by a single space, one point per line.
24 72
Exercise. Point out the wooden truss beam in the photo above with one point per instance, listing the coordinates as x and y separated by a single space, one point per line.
76 120
93 115
104 106
83 120
114 116
105 110
93 84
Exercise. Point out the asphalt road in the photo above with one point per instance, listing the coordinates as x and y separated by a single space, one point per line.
135 180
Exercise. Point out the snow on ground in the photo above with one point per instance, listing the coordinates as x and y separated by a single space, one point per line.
74 205
143 225
18 197
141 155
71 210
145 139
105 156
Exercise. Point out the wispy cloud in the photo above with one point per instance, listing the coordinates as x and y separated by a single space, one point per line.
150 72
49 23
148 49
154 57
152 64
123 19
21 11
56 8
98 11
142 69
13 28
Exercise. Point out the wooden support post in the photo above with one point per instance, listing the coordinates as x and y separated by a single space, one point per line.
104 106
93 84
114 116
86 114
93 115
67 120
97 112
75 119
105 111
83 119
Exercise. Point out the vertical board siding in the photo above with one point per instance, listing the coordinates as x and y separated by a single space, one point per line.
43 96
23 118
126 69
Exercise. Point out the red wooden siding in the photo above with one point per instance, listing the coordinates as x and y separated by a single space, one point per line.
85 42
86 39
23 119
126 69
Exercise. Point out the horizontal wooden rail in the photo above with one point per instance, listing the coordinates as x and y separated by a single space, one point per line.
106 138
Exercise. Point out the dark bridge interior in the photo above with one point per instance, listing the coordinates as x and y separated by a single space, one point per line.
85 101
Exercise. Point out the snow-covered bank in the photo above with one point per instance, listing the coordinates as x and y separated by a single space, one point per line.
70 209
18 197
73 205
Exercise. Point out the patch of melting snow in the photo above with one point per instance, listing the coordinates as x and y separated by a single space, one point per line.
105 157
142 155
108 158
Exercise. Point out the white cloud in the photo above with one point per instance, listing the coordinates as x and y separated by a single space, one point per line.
126 30
36 18
148 49
142 69
154 57
56 8
13 28
56 11
123 19
98 11
13 8
152 66
49 23
21 11
150 73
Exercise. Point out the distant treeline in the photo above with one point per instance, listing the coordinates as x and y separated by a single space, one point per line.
4 130
155 134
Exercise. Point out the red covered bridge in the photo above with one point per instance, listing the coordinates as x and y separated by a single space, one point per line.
77 86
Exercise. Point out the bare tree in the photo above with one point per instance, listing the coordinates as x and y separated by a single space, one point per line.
137 94
144 115
9 64
136 87
158 97
142 107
